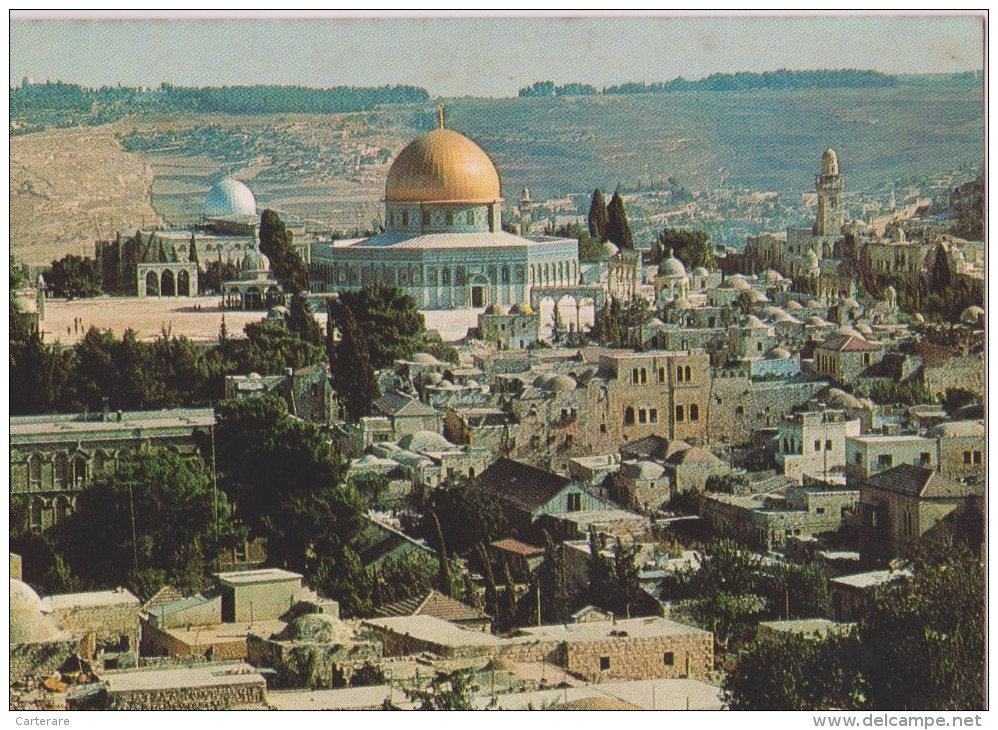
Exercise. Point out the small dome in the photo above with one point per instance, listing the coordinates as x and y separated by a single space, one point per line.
425 358
780 353
837 398
754 322
813 304
644 470
521 309
28 623
700 272
496 309
919 317
864 329
816 321
425 441
320 628
794 306
560 384
850 303
972 315
849 332
255 264
757 296
470 383
229 198
738 282
430 378
278 312
608 250
773 277
672 267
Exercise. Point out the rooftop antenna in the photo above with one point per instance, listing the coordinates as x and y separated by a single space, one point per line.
440 115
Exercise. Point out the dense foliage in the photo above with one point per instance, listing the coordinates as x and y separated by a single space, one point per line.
74 276
614 319
277 244
692 247
392 324
618 230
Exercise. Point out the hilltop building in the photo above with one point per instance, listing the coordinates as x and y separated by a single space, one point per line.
444 242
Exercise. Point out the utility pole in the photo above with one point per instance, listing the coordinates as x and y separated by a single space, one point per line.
214 498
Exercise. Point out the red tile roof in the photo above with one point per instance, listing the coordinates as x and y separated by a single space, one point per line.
515 546
848 343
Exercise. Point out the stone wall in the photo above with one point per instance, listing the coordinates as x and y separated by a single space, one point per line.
224 697
110 624
39 659
311 665
957 372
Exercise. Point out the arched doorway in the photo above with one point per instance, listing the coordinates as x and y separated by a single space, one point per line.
168 287
152 284
183 284
479 290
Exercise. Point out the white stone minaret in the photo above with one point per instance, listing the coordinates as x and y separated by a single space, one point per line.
829 185
525 208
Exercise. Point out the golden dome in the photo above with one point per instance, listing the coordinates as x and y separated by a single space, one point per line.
443 167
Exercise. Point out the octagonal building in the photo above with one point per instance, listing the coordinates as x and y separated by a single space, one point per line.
443 241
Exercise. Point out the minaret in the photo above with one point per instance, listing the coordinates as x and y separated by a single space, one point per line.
829 186
525 207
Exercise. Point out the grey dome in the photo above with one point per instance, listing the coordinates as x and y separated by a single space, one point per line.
671 266
425 441
255 264
228 198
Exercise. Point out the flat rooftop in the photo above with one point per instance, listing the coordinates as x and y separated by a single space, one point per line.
870 579
436 631
92 599
820 626
252 577
76 423
198 636
640 628
186 677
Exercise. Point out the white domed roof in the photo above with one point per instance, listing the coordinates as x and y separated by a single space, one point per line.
425 358
829 162
319 628
608 250
521 309
754 322
972 314
255 264
794 305
228 198
560 384
780 353
701 272
840 399
425 441
671 266
28 623
644 470
816 321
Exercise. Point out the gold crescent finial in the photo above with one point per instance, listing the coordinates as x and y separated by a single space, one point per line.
440 114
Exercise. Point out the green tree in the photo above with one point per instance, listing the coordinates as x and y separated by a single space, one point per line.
43 378
614 319
691 246
726 588
797 590
552 578
940 277
389 318
618 230
353 373
270 348
215 272
302 322
74 276
792 672
598 217
276 242
468 515
453 691
290 487
923 638
159 521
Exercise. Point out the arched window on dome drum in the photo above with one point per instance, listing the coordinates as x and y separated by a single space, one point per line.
405 218
505 274
61 471
35 471
445 276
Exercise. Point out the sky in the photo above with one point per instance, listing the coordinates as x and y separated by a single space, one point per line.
495 56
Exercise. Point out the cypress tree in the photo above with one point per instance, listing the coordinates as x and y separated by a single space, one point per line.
598 216
617 229
352 372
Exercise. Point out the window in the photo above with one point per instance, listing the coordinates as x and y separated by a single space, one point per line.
977 457
644 376
859 458
568 441
966 457
669 659
628 416
925 459
786 446
817 445
661 375
758 347
505 274
885 461
604 663
602 428
694 412
642 415
405 218
426 217
739 410
687 373
450 218
574 502
679 414
828 445
819 510
653 415
866 359
711 321
634 376
445 276
679 373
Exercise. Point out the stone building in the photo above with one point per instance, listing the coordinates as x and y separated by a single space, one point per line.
900 505
407 415
845 357
103 621
306 391
814 443
54 457
869 454
444 243
38 646
642 485
256 288
516 328
962 449
436 604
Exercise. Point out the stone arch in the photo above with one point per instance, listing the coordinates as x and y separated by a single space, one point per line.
78 471
35 470
168 284
62 507
60 471
183 283
152 284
